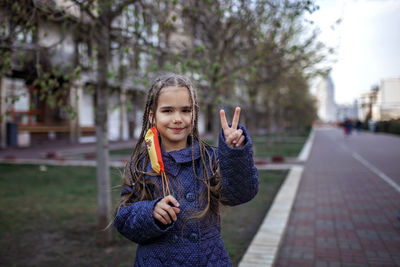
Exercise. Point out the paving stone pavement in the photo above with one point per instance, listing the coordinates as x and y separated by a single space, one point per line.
59 148
344 213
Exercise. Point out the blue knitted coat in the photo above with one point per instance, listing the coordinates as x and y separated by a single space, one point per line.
198 242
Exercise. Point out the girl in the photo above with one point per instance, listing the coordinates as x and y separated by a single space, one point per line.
174 217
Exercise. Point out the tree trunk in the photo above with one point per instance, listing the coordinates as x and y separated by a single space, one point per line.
3 92
123 116
251 116
104 235
216 125
74 127
214 111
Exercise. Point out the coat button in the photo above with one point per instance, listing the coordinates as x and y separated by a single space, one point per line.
193 237
190 197
175 238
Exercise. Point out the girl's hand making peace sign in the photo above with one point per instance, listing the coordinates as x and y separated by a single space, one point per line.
233 136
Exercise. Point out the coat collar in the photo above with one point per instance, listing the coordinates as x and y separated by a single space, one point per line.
173 159
183 155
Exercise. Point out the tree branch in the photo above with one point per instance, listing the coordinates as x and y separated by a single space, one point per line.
86 9
117 10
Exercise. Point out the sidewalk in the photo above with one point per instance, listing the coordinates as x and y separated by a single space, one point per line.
57 149
62 153
345 212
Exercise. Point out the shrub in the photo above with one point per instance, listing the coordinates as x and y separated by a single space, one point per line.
389 126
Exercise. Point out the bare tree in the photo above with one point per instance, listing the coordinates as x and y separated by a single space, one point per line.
245 50
285 48
256 52
101 18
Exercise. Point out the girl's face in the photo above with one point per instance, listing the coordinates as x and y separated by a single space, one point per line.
173 117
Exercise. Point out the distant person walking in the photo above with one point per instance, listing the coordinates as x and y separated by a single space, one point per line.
347 127
359 126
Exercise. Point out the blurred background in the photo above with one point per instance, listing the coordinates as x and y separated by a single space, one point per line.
286 63
76 72
61 57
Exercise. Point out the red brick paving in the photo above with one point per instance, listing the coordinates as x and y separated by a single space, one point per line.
344 214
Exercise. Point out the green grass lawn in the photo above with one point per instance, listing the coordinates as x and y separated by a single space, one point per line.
122 152
50 215
240 223
289 147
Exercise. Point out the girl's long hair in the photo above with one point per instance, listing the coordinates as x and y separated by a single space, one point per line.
135 170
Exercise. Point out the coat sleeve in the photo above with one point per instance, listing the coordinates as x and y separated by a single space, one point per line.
238 173
135 221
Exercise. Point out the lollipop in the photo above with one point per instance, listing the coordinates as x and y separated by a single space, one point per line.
153 148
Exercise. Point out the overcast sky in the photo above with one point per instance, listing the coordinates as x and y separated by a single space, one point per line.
367 42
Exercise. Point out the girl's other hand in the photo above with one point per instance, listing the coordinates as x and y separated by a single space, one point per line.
233 136
164 212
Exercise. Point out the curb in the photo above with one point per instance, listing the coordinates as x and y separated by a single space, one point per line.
264 247
306 150
60 162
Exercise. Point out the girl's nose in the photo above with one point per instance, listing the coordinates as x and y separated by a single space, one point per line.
177 118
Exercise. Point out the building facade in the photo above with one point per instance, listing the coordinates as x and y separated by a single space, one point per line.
382 102
387 104
325 95
55 46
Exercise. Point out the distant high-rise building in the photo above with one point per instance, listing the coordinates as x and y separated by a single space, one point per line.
326 100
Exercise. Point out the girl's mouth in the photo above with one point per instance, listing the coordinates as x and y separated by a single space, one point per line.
177 130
